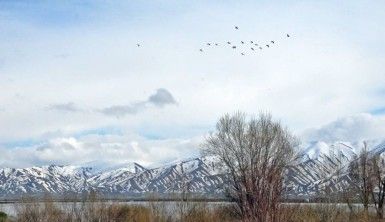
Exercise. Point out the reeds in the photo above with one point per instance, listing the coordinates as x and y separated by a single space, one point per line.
94 210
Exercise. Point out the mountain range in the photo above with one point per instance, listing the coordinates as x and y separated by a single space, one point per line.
314 172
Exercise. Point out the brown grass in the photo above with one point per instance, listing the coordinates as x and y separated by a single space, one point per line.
154 211
325 213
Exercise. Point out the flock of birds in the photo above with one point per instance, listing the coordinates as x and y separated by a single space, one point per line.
253 45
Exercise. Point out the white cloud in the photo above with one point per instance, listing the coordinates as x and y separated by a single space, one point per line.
352 128
107 149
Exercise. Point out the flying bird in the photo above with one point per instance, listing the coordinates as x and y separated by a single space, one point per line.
138 45
267 46
242 42
208 43
252 48
201 50
216 44
260 48
236 27
251 42
256 44
288 35
229 43
234 47
272 42
242 53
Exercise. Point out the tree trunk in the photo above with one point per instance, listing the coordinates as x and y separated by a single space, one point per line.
380 211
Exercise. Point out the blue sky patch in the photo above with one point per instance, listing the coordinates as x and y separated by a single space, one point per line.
378 111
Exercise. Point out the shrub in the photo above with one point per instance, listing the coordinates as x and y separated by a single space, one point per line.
3 217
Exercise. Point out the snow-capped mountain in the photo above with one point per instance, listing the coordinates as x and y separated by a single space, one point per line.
323 167
198 175
315 172
47 179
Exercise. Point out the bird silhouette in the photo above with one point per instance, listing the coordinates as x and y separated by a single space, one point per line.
229 43
201 50
216 44
288 35
272 42
256 44
236 27
252 48
242 42
234 47
251 42
138 45
242 53
267 46
260 48
208 43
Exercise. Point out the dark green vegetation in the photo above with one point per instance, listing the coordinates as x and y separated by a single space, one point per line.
3 217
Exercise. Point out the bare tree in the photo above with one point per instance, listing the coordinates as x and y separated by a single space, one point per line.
368 177
255 153
378 177
360 173
368 174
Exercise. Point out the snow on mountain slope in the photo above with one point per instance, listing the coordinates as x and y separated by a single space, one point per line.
46 179
192 174
315 173
324 167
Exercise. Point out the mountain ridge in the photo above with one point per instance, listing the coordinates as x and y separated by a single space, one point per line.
309 177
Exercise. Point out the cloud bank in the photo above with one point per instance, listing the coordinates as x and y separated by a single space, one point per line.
110 149
96 149
358 127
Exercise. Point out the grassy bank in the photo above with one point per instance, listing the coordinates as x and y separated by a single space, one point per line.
50 211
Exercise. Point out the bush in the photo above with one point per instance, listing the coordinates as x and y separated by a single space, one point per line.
3 217
129 213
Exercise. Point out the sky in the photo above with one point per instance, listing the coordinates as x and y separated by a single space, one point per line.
76 89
